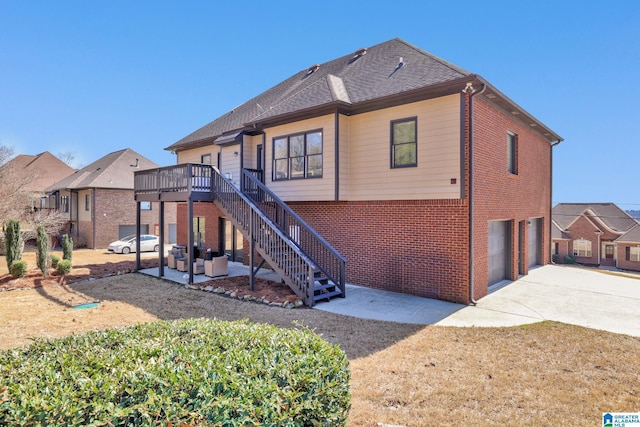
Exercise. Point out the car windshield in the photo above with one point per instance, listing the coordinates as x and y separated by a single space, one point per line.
128 238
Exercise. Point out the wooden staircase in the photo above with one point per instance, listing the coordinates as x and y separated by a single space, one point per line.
306 262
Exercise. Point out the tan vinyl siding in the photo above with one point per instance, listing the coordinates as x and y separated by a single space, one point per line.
343 156
370 176
230 163
84 215
195 155
250 146
305 189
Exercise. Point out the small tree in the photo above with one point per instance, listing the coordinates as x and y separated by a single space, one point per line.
67 247
42 242
13 240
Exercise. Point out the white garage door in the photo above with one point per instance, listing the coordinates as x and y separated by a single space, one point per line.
498 250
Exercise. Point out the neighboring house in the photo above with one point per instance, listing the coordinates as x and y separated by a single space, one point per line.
413 175
596 234
100 202
36 173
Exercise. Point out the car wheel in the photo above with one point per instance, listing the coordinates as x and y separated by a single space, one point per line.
156 248
126 250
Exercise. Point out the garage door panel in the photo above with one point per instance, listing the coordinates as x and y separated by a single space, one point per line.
498 250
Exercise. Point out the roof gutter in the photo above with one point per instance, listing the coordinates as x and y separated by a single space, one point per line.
469 89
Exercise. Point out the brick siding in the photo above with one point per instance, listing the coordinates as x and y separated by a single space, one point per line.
118 207
499 195
622 259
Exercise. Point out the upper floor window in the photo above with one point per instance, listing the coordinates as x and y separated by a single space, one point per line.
205 159
298 156
404 143
64 203
582 247
512 153
87 203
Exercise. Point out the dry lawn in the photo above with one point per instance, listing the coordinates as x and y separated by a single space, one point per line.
408 375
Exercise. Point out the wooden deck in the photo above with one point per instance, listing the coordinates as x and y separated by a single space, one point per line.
178 183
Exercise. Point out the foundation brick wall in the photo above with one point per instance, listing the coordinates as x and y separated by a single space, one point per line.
417 247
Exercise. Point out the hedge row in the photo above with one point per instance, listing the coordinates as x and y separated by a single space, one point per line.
187 372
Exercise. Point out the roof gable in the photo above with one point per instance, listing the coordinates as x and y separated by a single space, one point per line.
607 214
43 169
115 170
631 236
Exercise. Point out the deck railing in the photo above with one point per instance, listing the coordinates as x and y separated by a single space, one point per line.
187 178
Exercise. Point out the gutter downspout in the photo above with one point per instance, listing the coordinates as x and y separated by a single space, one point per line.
93 216
473 92
336 139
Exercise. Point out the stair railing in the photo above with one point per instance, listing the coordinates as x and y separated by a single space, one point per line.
326 258
291 263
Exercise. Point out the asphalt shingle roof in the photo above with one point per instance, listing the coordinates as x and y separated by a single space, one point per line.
115 170
389 68
43 169
608 213
633 235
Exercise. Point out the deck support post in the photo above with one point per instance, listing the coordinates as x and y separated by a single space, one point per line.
190 254
137 236
252 246
161 250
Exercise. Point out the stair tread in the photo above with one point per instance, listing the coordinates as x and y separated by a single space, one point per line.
327 295
323 286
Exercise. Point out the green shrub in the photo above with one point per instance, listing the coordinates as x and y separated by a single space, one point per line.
64 266
67 247
18 269
42 256
54 261
13 240
569 259
187 372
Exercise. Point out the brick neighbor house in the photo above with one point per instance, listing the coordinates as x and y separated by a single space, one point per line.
596 234
100 203
34 173
387 167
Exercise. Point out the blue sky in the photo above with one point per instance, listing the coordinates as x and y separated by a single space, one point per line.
92 77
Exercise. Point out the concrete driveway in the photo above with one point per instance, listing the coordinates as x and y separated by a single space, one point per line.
565 294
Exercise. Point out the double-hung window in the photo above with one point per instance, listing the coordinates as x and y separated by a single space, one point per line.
512 153
404 143
632 253
297 156
64 204
582 247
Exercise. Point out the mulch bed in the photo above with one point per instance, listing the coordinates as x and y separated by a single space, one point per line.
237 287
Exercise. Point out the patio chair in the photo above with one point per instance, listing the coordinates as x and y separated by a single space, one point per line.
198 266
217 266
173 257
